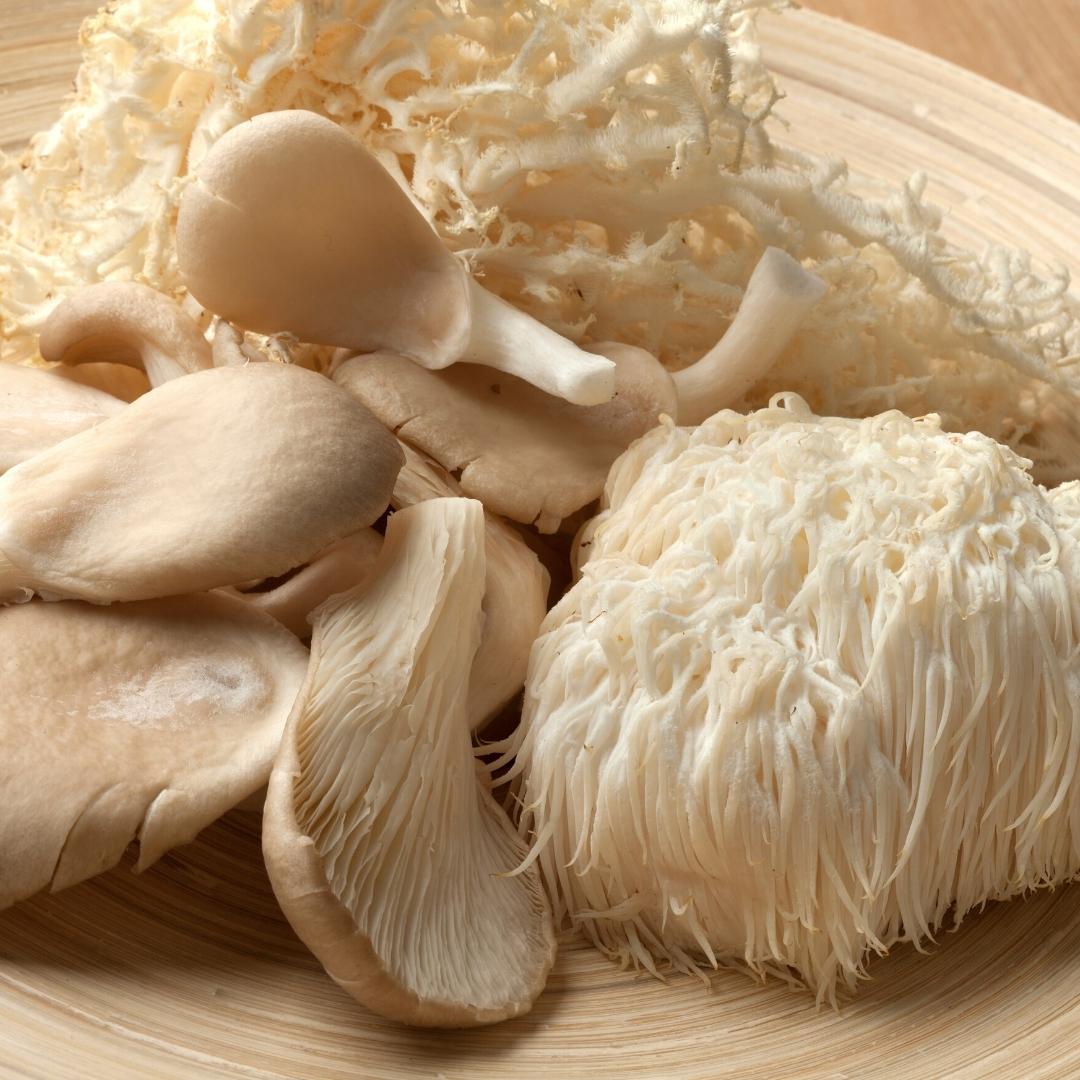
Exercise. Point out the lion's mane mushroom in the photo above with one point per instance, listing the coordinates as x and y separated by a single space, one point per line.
39 409
126 323
137 721
384 845
525 454
223 476
814 692
515 592
292 225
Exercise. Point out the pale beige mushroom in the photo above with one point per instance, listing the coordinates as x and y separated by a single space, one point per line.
39 409
383 843
341 567
126 323
223 476
120 380
292 225
137 721
515 592
529 456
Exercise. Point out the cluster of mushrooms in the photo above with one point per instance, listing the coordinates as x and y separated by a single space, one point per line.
179 516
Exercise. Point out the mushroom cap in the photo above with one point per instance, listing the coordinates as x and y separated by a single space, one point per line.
292 225
220 477
125 322
145 720
527 455
120 380
342 566
39 409
515 592
383 843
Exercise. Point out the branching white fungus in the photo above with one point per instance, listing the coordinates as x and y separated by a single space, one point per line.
126 323
816 687
132 722
213 479
39 409
383 843
292 225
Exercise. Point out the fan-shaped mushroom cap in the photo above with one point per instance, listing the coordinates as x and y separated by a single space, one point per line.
125 323
529 456
143 721
384 845
39 409
515 592
119 380
342 566
292 225
223 476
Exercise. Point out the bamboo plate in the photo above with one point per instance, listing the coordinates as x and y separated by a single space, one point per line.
191 971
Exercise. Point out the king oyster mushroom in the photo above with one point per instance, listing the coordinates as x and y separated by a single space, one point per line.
292 225
145 721
223 476
383 843
127 323
39 409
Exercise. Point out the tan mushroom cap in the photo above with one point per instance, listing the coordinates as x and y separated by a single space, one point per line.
529 456
220 477
120 380
292 225
137 721
126 323
515 592
39 409
342 566
383 843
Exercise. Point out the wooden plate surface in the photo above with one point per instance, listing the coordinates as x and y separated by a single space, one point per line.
190 971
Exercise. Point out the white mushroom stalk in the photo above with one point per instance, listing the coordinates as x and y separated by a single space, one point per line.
132 722
291 225
127 323
814 692
383 843
39 409
223 476
778 297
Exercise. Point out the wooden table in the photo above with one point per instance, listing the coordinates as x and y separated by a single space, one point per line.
1028 45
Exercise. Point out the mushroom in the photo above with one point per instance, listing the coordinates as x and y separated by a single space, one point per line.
39 409
120 380
383 843
777 299
292 225
342 566
144 721
225 475
229 348
529 456
125 323
515 593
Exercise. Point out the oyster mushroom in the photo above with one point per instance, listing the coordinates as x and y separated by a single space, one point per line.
223 476
515 593
39 409
120 380
127 323
138 721
292 225
383 843
524 454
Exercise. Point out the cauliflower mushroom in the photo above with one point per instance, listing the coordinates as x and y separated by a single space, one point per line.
38 409
127 323
292 225
137 721
525 454
815 689
383 843
223 476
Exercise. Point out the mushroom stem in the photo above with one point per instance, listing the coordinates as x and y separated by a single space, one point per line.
778 297
509 340
126 323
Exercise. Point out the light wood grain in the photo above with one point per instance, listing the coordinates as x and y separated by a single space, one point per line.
190 971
